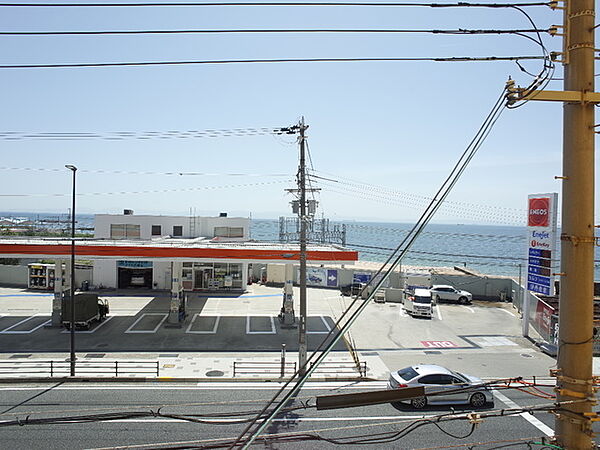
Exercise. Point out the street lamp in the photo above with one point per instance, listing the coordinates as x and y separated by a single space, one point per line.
72 358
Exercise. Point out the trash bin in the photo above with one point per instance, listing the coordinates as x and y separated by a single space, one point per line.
85 285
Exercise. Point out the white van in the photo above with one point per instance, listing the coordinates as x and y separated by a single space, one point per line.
418 303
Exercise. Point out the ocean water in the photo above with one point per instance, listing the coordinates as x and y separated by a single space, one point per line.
487 249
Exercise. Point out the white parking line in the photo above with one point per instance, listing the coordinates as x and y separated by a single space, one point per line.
507 312
260 332
321 332
6 331
89 331
213 331
468 308
129 330
528 417
403 312
439 311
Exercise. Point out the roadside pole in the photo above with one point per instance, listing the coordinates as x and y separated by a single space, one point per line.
574 385
574 374
302 350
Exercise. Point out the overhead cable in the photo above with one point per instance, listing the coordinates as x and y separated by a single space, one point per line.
273 61
459 31
151 191
206 4
137 172
346 320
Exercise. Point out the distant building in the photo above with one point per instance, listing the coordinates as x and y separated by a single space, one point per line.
179 231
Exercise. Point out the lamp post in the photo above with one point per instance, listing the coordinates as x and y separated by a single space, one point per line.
72 357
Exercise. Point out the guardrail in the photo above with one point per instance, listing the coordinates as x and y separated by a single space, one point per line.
276 368
55 368
343 368
279 369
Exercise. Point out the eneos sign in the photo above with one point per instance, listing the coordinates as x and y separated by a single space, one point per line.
538 212
541 237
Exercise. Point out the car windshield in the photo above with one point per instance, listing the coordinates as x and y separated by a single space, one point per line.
408 373
461 376
422 299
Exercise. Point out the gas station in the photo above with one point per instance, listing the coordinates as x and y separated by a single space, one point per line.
175 261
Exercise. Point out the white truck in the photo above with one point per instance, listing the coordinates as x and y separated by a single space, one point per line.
417 302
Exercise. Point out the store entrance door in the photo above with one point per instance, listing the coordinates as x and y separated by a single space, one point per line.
201 278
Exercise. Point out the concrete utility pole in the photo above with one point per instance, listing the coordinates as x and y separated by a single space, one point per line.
576 310
573 428
302 350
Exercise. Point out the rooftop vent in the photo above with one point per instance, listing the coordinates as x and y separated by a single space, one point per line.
128 212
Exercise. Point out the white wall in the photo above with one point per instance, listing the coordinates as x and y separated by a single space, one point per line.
203 226
161 274
105 273
14 275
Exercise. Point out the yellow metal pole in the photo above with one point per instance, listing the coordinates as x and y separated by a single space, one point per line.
577 237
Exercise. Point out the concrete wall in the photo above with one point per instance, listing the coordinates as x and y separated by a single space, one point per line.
14 275
161 275
276 273
105 273
202 226
83 274
486 288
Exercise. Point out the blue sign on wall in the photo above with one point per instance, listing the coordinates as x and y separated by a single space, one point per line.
332 277
135 264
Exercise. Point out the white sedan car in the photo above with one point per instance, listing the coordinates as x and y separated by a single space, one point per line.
442 386
443 292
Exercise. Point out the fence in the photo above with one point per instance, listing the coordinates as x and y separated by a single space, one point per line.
287 369
82 368
273 368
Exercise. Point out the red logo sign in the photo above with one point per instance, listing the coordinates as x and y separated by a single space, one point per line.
539 212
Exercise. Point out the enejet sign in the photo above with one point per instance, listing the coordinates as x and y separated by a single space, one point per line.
541 241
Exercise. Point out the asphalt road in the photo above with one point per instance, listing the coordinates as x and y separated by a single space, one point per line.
222 405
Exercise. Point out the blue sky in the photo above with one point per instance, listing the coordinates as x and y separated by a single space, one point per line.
389 131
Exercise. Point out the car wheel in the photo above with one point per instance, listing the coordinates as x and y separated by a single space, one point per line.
437 298
477 400
463 300
419 402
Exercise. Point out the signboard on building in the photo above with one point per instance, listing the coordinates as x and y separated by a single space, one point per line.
361 277
541 241
135 264
319 276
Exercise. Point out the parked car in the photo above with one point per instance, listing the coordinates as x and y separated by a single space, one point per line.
442 386
351 289
443 292
418 303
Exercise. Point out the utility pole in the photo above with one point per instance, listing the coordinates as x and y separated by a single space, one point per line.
302 350
576 309
300 207
574 386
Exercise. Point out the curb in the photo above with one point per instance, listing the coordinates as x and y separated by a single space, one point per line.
169 380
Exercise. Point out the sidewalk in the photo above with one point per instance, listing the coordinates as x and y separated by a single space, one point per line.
173 366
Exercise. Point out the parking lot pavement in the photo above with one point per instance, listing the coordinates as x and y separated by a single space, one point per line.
483 338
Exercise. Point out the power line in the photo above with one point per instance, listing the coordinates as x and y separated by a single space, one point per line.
458 31
135 172
279 4
153 191
272 61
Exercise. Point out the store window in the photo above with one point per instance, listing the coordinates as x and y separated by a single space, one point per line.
156 230
124 231
177 230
